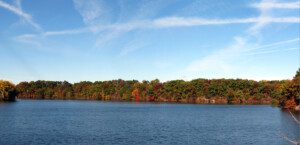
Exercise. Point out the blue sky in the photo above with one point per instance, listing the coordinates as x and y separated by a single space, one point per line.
144 40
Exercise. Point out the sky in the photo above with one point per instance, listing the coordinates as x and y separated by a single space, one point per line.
90 40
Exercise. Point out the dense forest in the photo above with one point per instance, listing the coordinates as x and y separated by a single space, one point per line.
200 91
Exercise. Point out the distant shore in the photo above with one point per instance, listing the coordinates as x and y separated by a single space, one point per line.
122 101
283 93
208 101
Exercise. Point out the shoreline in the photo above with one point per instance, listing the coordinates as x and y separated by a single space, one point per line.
146 102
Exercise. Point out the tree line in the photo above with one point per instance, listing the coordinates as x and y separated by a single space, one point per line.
201 91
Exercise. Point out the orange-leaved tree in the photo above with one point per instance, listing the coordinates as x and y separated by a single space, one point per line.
292 92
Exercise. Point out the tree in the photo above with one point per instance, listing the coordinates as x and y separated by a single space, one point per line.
8 91
292 92
297 74
135 93
296 84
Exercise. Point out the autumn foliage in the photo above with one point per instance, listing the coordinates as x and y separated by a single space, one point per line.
289 104
8 91
201 91
219 91
135 94
291 94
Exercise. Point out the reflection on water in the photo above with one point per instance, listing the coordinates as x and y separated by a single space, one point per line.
87 122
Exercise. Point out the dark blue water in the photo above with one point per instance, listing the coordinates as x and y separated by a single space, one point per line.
86 122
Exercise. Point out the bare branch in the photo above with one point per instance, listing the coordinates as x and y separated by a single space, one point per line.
290 140
295 119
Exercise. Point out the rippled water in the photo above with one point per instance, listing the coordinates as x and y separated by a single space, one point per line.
91 122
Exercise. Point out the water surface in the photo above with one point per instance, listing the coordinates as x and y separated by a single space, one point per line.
92 122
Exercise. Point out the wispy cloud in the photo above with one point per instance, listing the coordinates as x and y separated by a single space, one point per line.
66 32
219 59
170 22
280 43
222 58
18 3
271 51
265 7
18 11
92 11
15 10
95 15
104 39
277 5
28 38
271 48
185 22
132 46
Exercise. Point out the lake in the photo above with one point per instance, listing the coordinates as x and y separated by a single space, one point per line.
93 122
